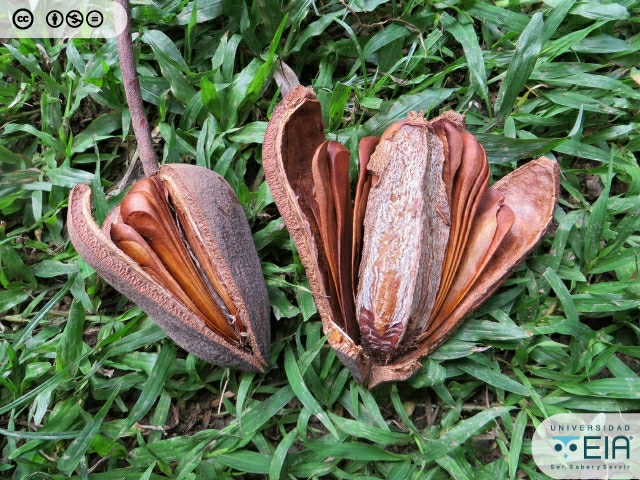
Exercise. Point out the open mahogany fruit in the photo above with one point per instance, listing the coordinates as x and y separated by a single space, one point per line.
179 246
426 240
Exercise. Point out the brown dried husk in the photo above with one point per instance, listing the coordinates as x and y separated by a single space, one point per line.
214 211
293 135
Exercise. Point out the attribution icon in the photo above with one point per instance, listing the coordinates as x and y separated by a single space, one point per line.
55 18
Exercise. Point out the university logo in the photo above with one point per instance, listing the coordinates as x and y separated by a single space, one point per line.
588 446
565 443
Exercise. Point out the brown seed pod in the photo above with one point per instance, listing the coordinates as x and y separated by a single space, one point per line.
180 247
424 244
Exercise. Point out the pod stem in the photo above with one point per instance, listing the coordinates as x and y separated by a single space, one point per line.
134 95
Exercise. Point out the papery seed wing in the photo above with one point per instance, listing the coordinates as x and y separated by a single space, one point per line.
366 148
322 204
531 193
469 183
324 209
491 223
220 222
172 316
338 157
210 272
128 240
145 209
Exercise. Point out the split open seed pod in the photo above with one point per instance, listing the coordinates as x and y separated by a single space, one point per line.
179 246
425 242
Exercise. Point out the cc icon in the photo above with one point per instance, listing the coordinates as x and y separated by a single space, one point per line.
22 18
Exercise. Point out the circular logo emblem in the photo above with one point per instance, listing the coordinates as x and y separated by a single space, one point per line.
22 18
54 18
94 18
74 18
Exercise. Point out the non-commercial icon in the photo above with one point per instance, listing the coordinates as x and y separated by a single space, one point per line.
74 18
55 18
94 18
22 18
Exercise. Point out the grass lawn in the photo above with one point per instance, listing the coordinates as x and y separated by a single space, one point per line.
91 388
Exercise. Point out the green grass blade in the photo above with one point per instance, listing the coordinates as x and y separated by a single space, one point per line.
70 346
596 223
555 19
462 30
520 67
492 377
563 295
77 449
280 455
26 332
355 451
460 433
303 393
517 436
152 387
